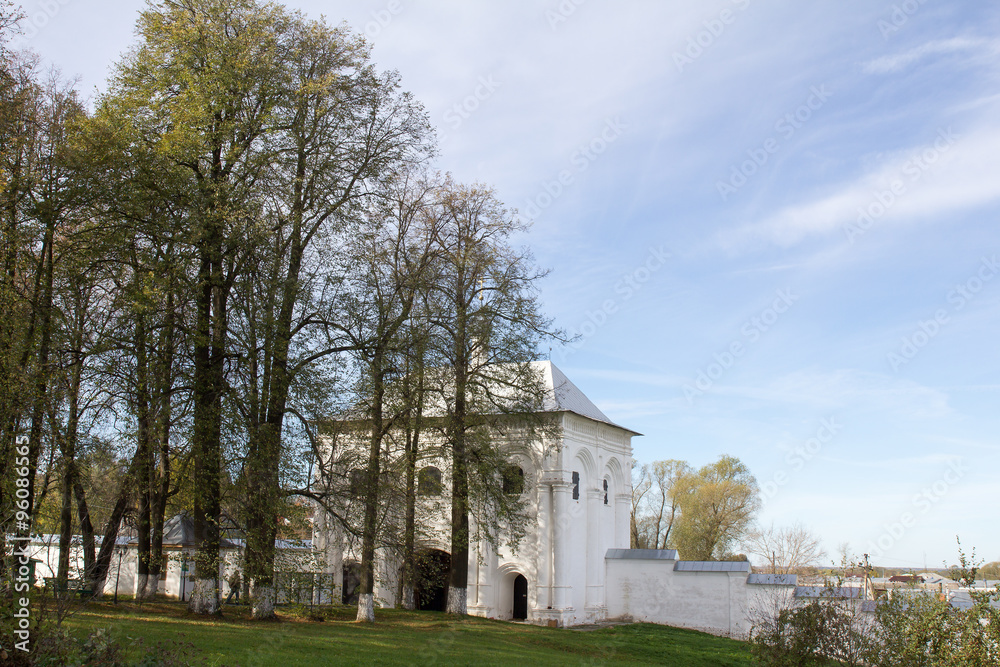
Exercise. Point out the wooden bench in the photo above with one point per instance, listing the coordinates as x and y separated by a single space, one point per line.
72 586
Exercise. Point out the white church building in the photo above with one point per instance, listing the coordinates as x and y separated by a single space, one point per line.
574 566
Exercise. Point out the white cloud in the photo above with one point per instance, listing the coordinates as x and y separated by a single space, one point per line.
899 61
931 180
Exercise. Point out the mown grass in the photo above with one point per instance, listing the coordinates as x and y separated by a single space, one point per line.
396 638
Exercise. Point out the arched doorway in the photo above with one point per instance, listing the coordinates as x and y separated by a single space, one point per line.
520 598
431 589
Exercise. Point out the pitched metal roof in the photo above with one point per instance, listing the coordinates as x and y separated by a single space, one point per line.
773 579
567 397
712 566
827 592
642 554
178 531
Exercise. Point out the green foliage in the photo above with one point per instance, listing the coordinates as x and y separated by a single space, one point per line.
968 567
54 646
717 505
816 633
915 629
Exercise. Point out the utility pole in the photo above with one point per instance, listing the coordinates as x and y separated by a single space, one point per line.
867 578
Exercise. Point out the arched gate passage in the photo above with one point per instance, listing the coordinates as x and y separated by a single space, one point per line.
431 589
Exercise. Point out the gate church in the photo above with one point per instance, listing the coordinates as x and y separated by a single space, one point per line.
578 497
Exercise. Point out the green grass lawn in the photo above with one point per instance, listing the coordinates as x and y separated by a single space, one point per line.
397 638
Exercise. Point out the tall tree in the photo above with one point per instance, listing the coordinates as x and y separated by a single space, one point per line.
19 102
341 131
487 324
718 504
392 251
656 501
201 88
784 550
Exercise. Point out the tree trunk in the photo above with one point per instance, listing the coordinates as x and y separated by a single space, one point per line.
366 608
42 370
458 580
86 530
160 482
108 542
65 524
409 577
265 458
144 454
209 352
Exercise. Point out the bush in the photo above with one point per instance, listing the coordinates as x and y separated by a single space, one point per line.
54 646
916 630
821 632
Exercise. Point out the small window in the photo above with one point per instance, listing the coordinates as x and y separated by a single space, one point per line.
513 480
576 485
605 492
358 482
429 482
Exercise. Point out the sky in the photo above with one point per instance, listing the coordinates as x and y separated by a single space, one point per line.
772 224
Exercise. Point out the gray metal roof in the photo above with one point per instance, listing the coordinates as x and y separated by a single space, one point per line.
773 579
643 554
827 592
567 397
712 566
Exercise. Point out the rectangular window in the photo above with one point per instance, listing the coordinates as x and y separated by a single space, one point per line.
576 485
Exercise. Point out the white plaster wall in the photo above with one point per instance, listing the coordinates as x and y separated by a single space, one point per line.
651 591
716 602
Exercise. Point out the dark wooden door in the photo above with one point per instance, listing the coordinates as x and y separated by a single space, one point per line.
520 598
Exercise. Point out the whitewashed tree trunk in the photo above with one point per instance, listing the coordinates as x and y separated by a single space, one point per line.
152 586
458 601
98 587
366 608
204 596
262 601
409 602
140 586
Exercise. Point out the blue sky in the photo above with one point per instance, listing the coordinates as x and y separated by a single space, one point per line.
773 223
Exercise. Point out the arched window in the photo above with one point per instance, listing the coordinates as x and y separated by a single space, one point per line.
513 480
605 492
576 485
429 482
